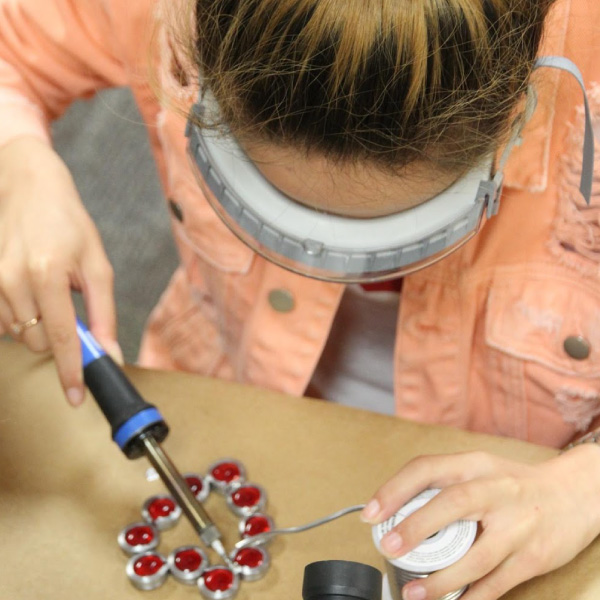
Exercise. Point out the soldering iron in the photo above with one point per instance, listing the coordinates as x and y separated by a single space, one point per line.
138 429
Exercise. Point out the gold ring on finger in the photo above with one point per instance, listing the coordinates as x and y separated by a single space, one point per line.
18 328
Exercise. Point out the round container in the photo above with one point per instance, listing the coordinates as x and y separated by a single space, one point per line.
224 473
147 571
161 511
437 552
219 583
251 563
337 579
138 537
246 499
199 485
255 524
187 563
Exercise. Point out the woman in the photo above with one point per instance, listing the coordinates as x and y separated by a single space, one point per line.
361 110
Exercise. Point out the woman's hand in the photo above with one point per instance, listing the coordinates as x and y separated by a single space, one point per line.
533 518
49 246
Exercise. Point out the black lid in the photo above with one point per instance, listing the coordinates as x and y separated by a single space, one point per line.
341 580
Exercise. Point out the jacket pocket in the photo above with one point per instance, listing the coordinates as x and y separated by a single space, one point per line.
537 322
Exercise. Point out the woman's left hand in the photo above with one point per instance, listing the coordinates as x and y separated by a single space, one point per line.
533 518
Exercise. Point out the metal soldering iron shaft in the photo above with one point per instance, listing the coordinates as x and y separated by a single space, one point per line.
178 487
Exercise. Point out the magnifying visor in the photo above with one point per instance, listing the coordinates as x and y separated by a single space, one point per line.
327 246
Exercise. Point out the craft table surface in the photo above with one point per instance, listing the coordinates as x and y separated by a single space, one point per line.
66 490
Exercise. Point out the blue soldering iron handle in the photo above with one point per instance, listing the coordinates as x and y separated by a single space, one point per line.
128 414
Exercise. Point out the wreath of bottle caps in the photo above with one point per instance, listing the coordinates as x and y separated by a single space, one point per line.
148 569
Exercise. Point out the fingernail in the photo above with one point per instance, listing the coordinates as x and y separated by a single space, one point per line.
391 543
370 511
414 592
75 396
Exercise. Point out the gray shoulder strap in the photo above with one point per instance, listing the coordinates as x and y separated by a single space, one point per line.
587 165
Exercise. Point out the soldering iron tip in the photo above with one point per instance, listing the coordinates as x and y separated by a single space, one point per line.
218 547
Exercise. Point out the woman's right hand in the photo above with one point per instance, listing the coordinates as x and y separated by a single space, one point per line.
48 247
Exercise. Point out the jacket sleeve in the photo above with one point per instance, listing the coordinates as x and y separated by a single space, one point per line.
51 53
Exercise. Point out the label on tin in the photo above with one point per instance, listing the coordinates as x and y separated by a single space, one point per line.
440 550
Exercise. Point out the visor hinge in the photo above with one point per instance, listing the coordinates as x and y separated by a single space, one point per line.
491 191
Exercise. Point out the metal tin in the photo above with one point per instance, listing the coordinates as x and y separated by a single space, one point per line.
199 485
251 563
246 499
224 473
437 552
147 571
219 583
255 524
138 537
395 579
187 563
162 511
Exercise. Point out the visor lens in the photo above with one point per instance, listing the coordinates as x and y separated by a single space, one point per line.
330 247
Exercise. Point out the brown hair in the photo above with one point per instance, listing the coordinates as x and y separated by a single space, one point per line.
387 81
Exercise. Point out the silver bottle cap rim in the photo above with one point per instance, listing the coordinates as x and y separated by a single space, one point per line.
187 563
152 580
161 521
221 592
251 563
146 531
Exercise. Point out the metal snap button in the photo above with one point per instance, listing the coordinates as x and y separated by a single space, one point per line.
176 210
577 347
281 300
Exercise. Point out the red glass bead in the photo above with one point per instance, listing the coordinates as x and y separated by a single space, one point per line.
249 557
195 484
226 472
218 579
148 565
161 507
188 560
139 535
246 496
255 525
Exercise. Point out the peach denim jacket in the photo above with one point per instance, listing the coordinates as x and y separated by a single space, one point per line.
480 336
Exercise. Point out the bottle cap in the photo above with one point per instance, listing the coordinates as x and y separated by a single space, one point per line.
162 511
147 571
251 563
138 537
187 563
199 485
224 473
219 583
256 524
246 499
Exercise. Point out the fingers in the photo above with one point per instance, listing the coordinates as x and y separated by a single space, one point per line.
465 501
426 472
17 307
5 316
506 576
48 246
54 298
486 555
100 305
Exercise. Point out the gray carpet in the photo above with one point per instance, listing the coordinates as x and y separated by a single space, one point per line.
105 145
